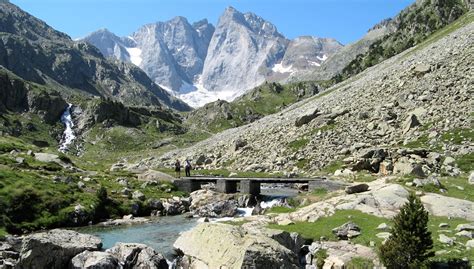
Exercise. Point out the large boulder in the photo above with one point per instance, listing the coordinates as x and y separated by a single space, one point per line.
292 241
94 260
131 255
204 197
339 254
410 122
404 167
357 188
226 246
305 119
55 248
347 230
440 205
227 208
153 175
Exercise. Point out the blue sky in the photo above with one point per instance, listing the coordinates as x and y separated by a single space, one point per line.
345 20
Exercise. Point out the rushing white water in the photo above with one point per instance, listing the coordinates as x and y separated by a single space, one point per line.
68 135
247 211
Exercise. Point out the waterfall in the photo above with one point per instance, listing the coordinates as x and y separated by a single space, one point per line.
68 135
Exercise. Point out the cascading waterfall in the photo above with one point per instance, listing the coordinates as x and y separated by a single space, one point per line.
68 135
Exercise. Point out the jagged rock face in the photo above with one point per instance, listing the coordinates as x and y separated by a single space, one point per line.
338 60
240 52
19 96
110 45
36 52
172 53
307 51
13 95
186 44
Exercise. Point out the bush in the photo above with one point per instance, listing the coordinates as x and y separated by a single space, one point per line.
101 208
321 255
410 243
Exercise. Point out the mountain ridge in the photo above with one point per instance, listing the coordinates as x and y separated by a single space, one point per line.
38 53
214 66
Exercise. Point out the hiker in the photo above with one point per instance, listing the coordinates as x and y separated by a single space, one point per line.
177 168
187 168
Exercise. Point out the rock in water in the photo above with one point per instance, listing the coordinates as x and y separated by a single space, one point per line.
55 248
132 255
216 245
93 260
218 209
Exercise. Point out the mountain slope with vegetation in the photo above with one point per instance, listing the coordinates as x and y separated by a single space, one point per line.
411 27
37 53
269 98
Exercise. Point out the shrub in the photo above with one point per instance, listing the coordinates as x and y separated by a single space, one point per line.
410 243
321 255
101 208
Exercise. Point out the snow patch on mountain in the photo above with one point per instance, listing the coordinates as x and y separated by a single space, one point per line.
168 89
324 58
197 95
135 55
279 68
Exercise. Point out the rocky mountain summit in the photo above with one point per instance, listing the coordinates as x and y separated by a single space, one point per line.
172 53
419 98
195 60
35 52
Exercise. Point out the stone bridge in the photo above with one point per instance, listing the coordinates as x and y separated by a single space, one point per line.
250 185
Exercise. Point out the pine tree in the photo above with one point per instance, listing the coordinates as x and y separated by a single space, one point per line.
410 243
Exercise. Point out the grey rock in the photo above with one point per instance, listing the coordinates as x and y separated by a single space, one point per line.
138 195
383 235
204 246
239 143
132 255
465 227
449 161
346 231
470 244
125 191
55 248
357 188
443 225
383 227
422 69
468 234
446 240
219 209
94 260
410 123
406 168
305 119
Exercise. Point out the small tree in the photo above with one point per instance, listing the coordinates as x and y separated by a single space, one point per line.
410 243
101 206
